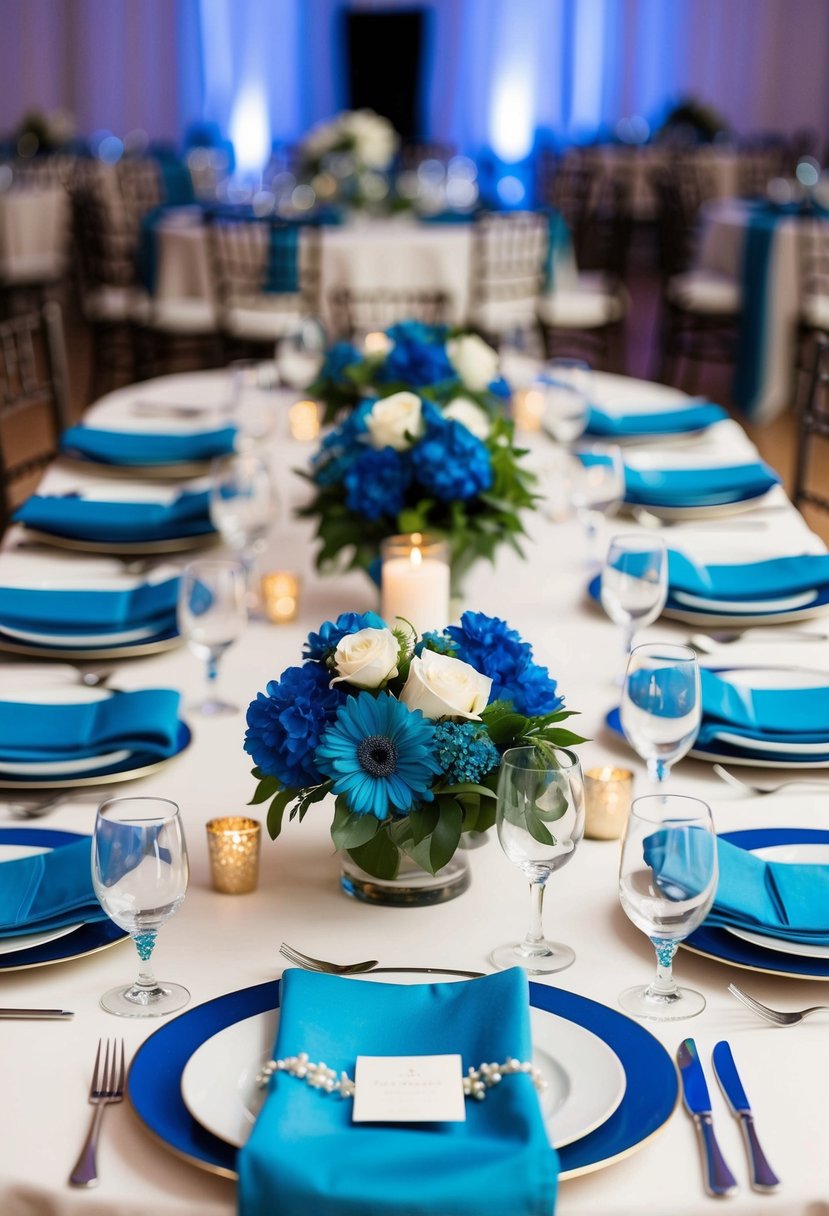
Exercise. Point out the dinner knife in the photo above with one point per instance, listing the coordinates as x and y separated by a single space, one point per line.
39 1014
763 1177
718 1179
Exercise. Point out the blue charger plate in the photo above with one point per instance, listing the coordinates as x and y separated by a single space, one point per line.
86 940
154 1082
721 945
139 764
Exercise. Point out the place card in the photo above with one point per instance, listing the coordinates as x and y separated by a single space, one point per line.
409 1089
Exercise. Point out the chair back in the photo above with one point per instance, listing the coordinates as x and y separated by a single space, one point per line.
676 219
263 261
508 269
813 424
356 311
104 248
34 406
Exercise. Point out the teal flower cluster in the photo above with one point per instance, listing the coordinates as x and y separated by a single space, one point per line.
465 751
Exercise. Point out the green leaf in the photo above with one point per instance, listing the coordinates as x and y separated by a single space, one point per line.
447 833
315 795
506 728
422 820
379 857
267 787
350 831
277 810
469 787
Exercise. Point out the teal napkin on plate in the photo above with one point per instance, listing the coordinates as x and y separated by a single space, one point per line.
305 1156
776 715
282 267
145 721
778 576
125 448
75 610
130 522
654 422
697 487
48 890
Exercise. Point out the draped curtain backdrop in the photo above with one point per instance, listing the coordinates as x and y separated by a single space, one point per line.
498 71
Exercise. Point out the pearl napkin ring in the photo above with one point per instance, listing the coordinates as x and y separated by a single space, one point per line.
319 1076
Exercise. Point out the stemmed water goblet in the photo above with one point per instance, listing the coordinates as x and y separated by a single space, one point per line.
564 385
212 613
243 506
540 821
299 354
598 485
634 583
667 882
139 873
661 705
253 405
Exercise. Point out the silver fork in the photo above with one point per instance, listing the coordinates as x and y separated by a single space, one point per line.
319 964
106 1089
761 790
726 637
777 1017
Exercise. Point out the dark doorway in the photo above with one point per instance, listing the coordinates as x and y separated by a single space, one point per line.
384 52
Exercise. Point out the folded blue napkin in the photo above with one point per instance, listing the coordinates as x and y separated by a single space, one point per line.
774 577
306 1156
698 487
654 422
48 890
282 268
74 610
142 448
134 522
773 715
145 721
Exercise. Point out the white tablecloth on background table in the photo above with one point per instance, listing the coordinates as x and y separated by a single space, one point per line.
219 943
34 233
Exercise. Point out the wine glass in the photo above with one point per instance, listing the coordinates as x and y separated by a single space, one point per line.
667 882
564 385
598 485
540 818
634 583
243 506
253 405
212 613
661 705
139 873
300 354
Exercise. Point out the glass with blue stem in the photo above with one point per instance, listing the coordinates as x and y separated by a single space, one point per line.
661 705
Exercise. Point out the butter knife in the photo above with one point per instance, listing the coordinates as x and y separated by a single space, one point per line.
40 1014
763 1177
717 1177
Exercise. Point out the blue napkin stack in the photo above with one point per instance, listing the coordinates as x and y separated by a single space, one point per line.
622 425
694 487
127 522
127 448
75 610
772 715
769 579
306 1156
48 891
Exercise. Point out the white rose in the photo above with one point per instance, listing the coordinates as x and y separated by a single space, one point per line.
367 658
470 415
474 361
394 422
443 687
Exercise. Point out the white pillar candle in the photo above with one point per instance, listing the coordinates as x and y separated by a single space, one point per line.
415 582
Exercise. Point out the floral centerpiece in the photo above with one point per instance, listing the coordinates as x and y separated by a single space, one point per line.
438 363
431 460
347 158
406 733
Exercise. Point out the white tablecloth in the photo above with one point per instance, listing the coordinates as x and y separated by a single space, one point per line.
218 943
372 253
33 233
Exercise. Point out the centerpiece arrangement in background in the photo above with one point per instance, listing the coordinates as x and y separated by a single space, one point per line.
407 734
347 159
429 451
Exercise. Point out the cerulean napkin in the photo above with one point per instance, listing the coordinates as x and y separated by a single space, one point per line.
774 715
48 890
774 577
282 268
74 610
144 721
305 1155
130 522
654 422
145 448
697 487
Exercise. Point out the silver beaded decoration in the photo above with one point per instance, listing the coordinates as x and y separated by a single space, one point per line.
319 1076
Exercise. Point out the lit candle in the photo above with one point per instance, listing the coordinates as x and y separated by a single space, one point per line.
607 795
377 343
280 595
527 409
304 421
415 581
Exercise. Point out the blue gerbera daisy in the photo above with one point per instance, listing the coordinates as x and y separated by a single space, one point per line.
380 754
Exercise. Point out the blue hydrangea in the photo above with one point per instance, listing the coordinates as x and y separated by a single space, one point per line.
500 388
341 447
286 723
418 331
415 364
491 647
375 483
340 356
320 645
465 751
439 642
450 462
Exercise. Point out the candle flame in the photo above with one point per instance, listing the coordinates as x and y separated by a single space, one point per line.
416 556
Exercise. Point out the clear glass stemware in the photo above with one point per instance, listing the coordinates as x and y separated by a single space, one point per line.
244 505
634 583
540 821
564 385
140 873
299 355
212 613
661 705
598 485
667 882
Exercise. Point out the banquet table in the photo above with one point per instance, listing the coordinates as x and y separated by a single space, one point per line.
398 252
34 226
220 943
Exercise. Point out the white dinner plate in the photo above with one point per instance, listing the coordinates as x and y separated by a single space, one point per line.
26 941
585 1078
766 747
791 854
115 638
717 511
743 620
784 604
773 677
73 694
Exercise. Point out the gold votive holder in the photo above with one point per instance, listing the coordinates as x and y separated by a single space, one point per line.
233 845
304 421
607 796
280 596
527 409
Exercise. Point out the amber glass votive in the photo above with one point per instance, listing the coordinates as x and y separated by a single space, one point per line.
304 421
233 844
527 409
607 795
280 596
